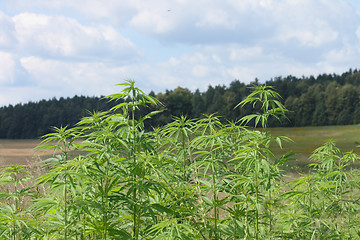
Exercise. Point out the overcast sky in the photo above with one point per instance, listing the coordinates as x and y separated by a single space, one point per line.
53 48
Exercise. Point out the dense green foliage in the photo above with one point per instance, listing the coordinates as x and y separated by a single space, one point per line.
190 179
328 99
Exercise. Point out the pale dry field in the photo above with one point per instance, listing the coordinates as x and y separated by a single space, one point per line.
306 140
20 152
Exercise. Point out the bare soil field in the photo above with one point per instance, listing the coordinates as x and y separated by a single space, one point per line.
20 151
306 140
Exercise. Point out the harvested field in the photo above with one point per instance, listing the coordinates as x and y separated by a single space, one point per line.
306 140
20 151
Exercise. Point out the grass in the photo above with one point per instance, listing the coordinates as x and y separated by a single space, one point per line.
307 139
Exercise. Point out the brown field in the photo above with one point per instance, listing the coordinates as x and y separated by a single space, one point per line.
306 140
20 151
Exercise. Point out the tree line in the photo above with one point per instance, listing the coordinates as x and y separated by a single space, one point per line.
34 119
328 99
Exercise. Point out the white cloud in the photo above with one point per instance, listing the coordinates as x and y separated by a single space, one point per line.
200 71
149 21
58 36
216 18
196 70
66 47
358 33
7 68
229 21
245 54
242 73
313 23
317 35
70 77
7 38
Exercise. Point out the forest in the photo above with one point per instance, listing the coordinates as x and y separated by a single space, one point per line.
328 99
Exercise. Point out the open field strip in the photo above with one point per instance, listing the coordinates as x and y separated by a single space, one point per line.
306 140
16 151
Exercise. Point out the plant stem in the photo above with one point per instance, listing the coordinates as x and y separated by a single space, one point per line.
65 210
246 218
257 199
134 176
215 200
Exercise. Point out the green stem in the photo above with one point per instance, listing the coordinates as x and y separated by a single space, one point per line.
105 201
136 223
65 210
257 169
256 207
270 209
16 204
246 218
215 198
65 201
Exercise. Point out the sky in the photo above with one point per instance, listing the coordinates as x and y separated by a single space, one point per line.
62 48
